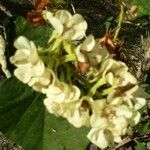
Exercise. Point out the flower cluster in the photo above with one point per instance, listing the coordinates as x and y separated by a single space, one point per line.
30 68
3 61
66 26
109 107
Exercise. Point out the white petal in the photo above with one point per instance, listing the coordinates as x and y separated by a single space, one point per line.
79 119
73 95
57 25
38 69
80 56
123 110
68 34
27 52
41 82
63 16
78 23
126 77
117 139
80 31
139 103
20 58
120 126
99 122
22 43
47 15
135 119
55 93
48 104
80 115
76 20
23 73
88 43
110 78
98 137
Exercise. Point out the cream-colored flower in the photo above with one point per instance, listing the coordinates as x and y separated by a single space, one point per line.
116 73
61 92
59 109
73 112
119 128
99 124
97 54
112 120
126 95
26 52
3 62
41 83
64 100
101 138
27 71
30 68
66 26
121 95
135 118
124 111
61 96
108 118
85 47
81 114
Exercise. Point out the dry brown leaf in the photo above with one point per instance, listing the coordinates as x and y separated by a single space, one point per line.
35 16
112 47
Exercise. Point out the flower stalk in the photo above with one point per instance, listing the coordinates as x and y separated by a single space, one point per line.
120 20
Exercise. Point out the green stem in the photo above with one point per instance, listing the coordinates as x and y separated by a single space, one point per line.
120 20
99 83
107 91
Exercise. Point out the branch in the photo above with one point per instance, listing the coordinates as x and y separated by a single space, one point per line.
128 139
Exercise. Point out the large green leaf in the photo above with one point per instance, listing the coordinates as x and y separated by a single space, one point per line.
24 120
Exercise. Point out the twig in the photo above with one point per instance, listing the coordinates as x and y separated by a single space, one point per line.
124 142
143 137
120 19
135 139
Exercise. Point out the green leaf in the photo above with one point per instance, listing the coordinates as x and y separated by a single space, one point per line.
143 127
140 146
56 44
40 35
69 57
68 47
108 22
24 120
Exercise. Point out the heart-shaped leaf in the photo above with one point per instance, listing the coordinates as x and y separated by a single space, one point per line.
24 119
